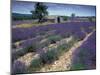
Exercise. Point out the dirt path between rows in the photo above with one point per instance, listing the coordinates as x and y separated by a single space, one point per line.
64 61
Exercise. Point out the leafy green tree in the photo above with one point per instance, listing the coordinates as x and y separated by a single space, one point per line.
72 15
65 18
40 11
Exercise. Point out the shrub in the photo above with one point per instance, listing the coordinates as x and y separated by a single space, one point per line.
36 64
65 47
44 43
13 46
31 48
54 38
23 51
19 53
62 48
89 29
18 68
79 36
41 33
68 34
90 19
49 56
71 43
65 18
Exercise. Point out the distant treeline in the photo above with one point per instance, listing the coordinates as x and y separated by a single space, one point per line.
17 16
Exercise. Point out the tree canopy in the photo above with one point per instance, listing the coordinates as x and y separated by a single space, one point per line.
40 11
73 15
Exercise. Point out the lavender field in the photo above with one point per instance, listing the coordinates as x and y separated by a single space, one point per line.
53 44
37 40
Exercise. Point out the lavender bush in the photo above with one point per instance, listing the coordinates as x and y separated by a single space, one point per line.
18 68
85 56
36 64
49 56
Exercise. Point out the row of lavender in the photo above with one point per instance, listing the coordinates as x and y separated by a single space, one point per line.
71 28
85 56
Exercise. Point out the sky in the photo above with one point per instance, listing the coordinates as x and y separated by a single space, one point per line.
55 9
